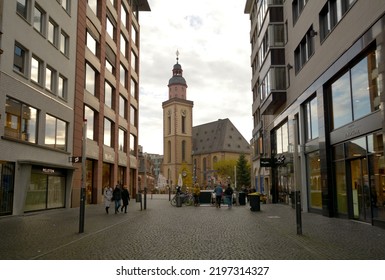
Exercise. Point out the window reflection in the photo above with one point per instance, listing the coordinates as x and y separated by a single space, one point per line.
89 115
342 108
122 142
311 119
21 121
107 132
360 89
90 79
355 94
314 179
55 133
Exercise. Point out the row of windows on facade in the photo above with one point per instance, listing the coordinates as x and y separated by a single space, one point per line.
39 72
275 79
91 79
95 4
93 44
22 123
62 43
92 75
353 95
44 24
54 82
23 6
108 133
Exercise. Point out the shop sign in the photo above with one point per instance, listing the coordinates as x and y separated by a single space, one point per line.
75 159
48 170
265 162
272 162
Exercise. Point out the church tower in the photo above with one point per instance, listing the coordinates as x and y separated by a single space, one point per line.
177 130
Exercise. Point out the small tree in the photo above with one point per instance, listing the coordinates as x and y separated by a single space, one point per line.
243 172
225 168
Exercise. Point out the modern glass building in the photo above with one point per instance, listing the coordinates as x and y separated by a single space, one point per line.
318 104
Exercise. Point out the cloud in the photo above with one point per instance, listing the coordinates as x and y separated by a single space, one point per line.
194 21
215 54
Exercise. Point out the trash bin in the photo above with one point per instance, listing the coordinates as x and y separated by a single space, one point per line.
255 202
138 197
242 198
205 197
178 201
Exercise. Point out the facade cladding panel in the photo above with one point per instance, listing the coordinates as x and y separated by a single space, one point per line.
329 130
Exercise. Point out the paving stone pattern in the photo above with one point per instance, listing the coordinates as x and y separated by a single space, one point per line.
164 232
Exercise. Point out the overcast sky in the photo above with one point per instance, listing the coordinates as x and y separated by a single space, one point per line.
212 37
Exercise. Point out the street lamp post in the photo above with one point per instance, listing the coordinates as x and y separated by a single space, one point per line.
83 187
297 180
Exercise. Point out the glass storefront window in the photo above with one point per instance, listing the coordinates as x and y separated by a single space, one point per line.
359 170
311 119
89 180
37 193
342 199
282 139
7 178
356 148
45 191
314 180
338 152
377 175
106 176
56 192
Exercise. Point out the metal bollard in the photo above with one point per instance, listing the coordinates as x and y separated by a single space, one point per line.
298 212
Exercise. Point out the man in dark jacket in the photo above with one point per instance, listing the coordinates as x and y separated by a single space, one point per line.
229 195
117 195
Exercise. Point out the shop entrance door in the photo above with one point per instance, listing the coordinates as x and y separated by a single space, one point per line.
360 190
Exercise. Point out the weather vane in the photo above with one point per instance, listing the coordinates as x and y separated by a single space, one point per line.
177 56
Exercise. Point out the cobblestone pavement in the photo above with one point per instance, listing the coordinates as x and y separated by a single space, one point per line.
164 232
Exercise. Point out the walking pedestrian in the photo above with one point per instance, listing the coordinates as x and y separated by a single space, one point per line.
107 193
218 195
125 199
229 195
196 194
117 197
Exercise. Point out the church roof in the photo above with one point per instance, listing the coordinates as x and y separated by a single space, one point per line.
177 78
218 136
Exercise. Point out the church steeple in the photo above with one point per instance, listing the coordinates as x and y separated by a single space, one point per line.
177 129
177 84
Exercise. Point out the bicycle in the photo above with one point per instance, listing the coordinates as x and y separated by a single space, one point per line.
186 199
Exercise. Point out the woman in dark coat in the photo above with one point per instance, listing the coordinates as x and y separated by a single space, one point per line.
125 199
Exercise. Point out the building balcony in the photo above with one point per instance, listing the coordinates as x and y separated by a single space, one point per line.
273 102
